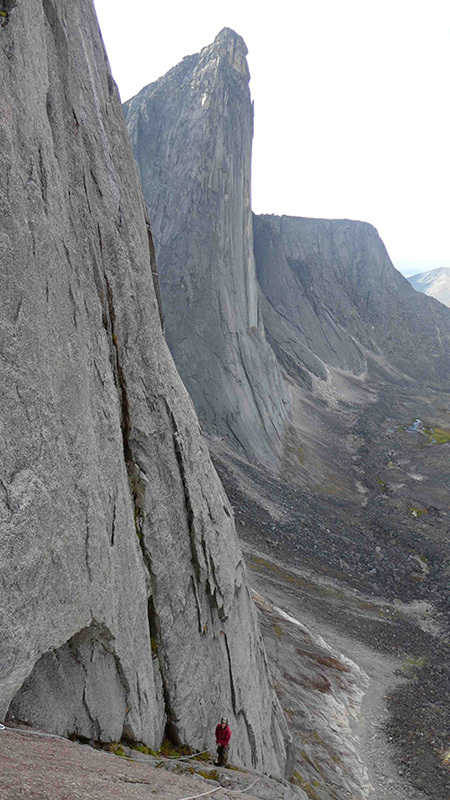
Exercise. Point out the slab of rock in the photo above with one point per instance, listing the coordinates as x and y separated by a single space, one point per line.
191 133
42 768
125 604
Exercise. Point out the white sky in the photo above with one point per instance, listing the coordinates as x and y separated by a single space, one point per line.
352 115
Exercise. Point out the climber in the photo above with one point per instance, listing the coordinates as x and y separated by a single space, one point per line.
223 736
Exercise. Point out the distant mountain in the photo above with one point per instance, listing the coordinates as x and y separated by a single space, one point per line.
435 283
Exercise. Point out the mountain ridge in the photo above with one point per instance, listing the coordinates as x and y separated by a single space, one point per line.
342 283
434 283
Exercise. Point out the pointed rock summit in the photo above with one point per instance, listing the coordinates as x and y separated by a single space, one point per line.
191 133
233 48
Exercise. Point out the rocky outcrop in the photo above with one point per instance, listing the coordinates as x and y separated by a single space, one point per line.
333 298
125 608
435 282
191 133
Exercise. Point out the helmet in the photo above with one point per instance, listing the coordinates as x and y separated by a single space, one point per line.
224 720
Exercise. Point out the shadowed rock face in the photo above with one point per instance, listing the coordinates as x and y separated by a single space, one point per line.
333 297
191 133
123 586
435 283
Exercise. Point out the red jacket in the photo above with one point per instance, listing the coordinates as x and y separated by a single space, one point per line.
223 735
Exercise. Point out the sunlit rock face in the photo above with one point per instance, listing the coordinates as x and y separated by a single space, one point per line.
333 298
435 283
191 133
125 606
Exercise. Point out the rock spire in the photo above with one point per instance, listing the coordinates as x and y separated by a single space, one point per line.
191 133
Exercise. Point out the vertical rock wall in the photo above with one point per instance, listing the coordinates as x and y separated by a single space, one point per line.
191 134
125 605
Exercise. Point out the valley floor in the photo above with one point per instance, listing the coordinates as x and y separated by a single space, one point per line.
386 743
361 559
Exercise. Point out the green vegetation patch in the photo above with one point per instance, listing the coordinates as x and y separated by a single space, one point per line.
278 629
289 713
212 775
184 769
299 780
435 436
440 435
117 749
413 664
142 748
417 512
169 750
203 757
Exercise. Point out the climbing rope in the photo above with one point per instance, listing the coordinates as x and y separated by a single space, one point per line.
34 733
241 791
55 736
192 797
211 791
180 758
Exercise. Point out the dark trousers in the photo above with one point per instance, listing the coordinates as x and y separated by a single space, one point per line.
222 755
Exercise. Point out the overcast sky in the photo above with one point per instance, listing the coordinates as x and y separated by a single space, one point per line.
351 104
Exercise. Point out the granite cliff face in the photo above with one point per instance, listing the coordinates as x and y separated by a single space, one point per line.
191 133
435 283
125 607
334 299
348 530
